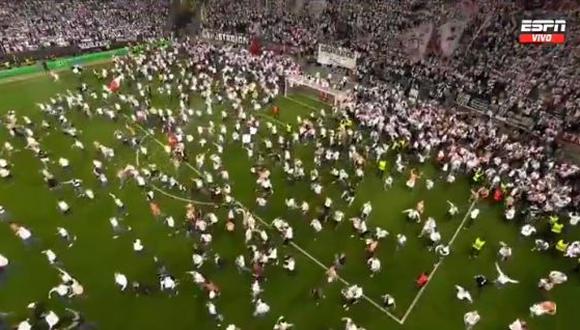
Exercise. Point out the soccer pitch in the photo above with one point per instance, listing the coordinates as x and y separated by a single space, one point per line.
96 255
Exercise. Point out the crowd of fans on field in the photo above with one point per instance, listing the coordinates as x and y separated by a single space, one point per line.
536 81
516 80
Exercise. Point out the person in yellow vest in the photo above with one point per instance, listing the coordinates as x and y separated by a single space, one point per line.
503 187
557 228
346 123
561 246
395 145
382 167
477 246
553 219
402 143
478 176
288 128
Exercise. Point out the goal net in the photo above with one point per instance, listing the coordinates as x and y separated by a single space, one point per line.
308 87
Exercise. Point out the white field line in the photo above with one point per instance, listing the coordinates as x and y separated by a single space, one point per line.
42 73
294 245
323 266
270 118
163 192
438 264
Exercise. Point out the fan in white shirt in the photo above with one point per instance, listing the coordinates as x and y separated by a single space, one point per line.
291 204
350 325
51 256
316 225
63 206
138 245
463 294
63 162
471 319
557 277
3 262
374 265
121 281
24 325
366 209
527 230
281 324
429 227
197 260
167 283
62 290
64 234
5 173
261 308
304 207
413 214
518 325
503 279
289 264
505 251
510 213
338 216
21 231
401 240
117 201
574 218
51 319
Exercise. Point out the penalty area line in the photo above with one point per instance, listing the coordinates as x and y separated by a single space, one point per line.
294 245
167 194
323 266
438 264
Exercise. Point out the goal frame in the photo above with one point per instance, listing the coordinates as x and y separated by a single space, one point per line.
340 97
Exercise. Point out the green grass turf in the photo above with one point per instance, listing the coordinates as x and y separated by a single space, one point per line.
96 256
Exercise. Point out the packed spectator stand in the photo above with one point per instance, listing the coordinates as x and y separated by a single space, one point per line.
531 84
32 25
532 87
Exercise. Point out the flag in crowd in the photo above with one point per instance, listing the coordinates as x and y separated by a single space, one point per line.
416 40
449 36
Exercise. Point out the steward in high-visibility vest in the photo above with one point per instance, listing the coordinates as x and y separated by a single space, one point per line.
553 219
477 176
382 167
395 145
288 128
477 246
402 143
557 228
503 187
346 123
562 246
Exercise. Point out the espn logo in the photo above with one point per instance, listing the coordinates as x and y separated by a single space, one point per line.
543 31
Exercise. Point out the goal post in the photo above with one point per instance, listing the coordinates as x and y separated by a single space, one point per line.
309 87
